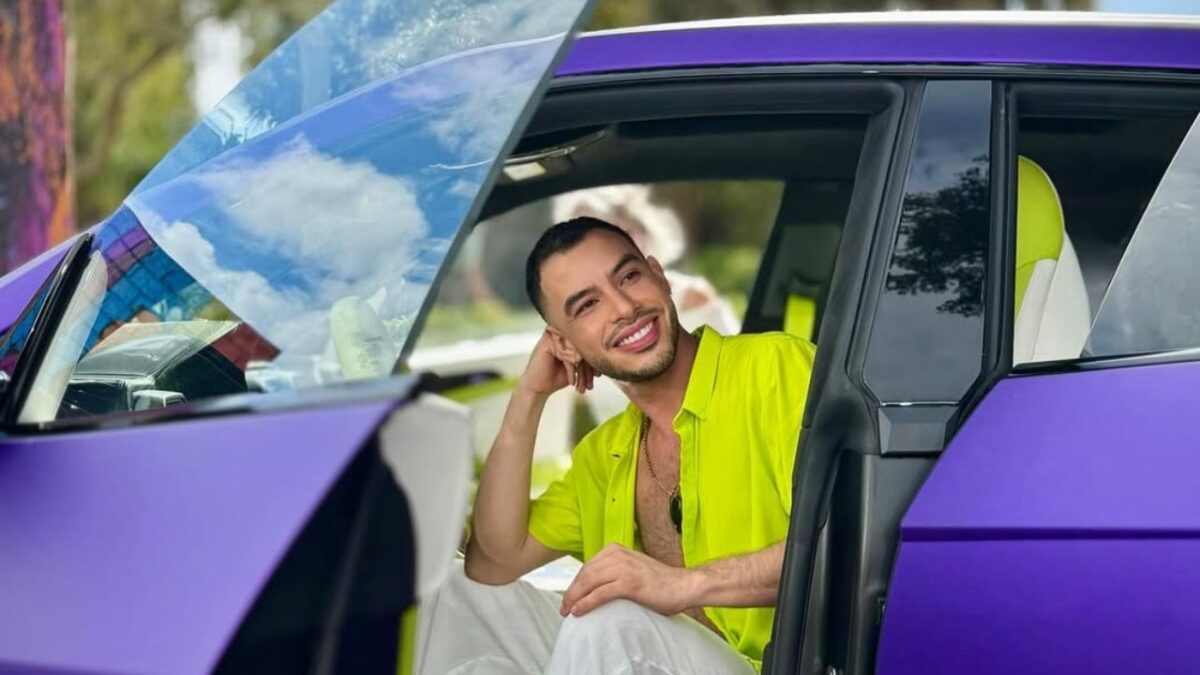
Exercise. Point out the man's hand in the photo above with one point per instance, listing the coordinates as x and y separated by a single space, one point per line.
548 371
617 572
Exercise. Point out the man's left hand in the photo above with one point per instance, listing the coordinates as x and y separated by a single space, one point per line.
618 572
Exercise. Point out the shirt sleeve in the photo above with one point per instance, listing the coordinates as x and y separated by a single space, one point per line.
794 373
554 517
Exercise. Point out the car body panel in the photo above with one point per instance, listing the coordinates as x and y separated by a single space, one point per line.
141 549
1038 543
901 38
19 286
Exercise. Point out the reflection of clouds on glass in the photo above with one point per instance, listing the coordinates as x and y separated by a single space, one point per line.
939 164
310 229
473 98
1151 302
460 25
354 44
328 214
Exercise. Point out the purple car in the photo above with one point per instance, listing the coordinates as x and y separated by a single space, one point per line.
221 450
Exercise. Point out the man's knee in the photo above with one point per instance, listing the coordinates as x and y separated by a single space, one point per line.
607 623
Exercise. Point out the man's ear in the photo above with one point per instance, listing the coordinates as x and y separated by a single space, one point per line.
563 346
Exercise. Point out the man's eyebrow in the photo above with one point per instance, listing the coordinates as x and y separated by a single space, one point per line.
625 260
576 297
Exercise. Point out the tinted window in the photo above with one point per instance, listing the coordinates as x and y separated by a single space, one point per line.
926 344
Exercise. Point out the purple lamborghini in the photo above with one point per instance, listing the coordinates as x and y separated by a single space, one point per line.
231 442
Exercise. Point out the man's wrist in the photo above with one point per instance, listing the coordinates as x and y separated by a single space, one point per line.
697 586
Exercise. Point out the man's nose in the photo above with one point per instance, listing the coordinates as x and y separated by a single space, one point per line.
622 303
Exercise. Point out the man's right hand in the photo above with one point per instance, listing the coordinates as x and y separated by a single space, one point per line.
548 371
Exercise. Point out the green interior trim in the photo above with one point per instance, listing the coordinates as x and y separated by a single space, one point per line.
472 392
800 316
408 641
1040 227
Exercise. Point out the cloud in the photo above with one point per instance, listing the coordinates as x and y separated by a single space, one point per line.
298 231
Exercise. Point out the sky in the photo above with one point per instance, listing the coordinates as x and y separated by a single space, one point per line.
1151 6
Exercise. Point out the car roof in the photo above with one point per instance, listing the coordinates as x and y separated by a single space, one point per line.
1059 39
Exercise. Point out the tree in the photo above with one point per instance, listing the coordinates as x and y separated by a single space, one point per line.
942 239
133 67
35 186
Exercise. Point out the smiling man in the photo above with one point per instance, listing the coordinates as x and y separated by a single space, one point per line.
678 506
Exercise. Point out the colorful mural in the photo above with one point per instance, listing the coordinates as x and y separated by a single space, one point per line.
36 190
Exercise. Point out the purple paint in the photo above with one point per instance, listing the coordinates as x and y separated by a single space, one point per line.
19 286
1001 607
1103 46
141 549
1059 532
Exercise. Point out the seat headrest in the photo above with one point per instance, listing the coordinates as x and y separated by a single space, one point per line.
1040 228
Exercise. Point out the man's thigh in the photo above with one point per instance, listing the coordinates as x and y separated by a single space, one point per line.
622 637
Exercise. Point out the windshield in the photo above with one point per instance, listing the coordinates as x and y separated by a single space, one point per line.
295 233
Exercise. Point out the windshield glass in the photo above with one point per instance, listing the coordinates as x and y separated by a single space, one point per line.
1150 305
291 239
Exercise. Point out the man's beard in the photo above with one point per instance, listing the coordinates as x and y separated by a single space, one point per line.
608 369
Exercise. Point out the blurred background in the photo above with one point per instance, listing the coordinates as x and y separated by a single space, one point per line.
93 92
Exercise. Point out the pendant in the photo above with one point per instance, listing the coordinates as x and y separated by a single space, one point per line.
676 511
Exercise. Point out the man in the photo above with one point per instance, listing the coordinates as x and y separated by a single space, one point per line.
678 507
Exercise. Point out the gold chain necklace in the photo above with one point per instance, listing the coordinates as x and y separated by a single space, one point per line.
675 503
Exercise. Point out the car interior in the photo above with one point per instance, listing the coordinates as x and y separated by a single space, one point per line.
1092 156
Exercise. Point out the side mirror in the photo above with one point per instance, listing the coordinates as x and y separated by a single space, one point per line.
147 399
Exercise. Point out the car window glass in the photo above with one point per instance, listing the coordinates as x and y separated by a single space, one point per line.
294 235
926 342
1150 304
1092 179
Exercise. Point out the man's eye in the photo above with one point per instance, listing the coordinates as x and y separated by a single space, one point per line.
632 276
585 306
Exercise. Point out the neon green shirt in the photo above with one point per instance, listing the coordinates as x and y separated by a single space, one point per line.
738 430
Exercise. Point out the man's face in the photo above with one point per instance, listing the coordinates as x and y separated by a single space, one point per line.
612 307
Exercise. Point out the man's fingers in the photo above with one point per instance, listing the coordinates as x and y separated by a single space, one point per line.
602 594
591 576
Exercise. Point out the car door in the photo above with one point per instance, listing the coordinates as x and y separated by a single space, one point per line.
207 463
1059 530
903 345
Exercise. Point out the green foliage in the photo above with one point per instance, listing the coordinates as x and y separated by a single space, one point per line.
132 69
731 269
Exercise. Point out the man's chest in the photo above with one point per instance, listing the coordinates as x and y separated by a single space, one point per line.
657 497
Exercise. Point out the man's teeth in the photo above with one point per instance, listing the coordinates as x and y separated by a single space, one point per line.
638 335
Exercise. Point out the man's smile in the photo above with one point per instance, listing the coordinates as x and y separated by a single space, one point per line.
642 335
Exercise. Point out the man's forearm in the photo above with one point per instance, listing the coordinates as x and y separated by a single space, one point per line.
749 580
502 502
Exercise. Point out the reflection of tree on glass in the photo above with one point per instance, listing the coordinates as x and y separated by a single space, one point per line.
941 243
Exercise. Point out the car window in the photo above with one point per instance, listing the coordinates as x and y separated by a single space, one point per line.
294 234
1096 204
926 342
1151 303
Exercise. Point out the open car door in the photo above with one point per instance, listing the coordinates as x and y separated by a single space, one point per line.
189 479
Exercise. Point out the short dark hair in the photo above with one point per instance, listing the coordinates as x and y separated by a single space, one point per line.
560 238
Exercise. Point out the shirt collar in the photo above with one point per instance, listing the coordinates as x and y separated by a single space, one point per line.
699 389
704 372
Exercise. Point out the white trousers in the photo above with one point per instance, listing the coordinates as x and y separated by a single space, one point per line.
469 628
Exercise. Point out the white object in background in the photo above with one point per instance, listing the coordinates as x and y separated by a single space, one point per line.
508 356
427 446
364 349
